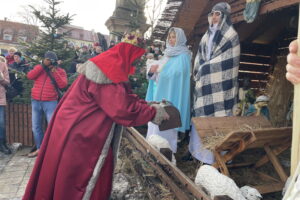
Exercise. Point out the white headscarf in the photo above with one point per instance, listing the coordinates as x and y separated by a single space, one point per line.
180 46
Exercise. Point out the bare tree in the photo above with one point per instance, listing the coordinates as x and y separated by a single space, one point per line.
153 10
27 16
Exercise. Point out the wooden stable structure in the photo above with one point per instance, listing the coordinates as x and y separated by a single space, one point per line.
268 36
243 133
264 45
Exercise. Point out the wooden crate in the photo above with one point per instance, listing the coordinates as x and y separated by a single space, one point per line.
18 124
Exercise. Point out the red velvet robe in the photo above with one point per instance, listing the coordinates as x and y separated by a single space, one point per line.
75 137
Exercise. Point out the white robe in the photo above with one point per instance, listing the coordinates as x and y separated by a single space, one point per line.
170 135
197 150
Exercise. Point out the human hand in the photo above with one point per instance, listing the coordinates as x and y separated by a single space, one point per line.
153 68
293 66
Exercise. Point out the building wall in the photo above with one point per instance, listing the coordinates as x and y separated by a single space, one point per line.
11 33
78 36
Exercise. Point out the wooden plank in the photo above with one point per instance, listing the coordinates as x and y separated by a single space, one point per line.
274 160
11 123
207 126
277 151
237 165
262 134
267 177
254 58
29 117
270 187
196 191
267 7
25 121
262 143
7 131
220 163
261 137
254 68
253 76
163 176
256 49
256 84
17 126
21 124
237 13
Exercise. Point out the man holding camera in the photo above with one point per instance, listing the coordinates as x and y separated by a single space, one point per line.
48 79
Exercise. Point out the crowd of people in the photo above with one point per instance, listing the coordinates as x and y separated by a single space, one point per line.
86 123
49 79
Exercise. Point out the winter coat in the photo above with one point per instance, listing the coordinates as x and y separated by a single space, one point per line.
23 66
43 89
10 59
3 82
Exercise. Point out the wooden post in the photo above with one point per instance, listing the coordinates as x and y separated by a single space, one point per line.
295 157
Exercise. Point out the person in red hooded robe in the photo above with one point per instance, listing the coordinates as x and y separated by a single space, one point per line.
78 154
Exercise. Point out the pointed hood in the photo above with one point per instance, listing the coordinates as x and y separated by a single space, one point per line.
116 63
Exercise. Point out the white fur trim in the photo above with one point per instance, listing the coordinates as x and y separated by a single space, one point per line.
93 73
92 182
160 113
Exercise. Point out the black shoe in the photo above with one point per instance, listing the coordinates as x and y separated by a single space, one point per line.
4 149
33 149
187 157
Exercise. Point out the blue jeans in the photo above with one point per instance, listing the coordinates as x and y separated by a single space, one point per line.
38 107
2 122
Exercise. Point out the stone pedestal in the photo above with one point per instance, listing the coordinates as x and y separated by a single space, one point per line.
128 15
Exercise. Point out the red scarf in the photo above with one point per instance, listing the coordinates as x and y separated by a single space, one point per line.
116 63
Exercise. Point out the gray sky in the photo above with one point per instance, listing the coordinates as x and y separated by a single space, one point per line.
90 14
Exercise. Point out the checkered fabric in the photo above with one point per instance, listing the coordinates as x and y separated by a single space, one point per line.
216 80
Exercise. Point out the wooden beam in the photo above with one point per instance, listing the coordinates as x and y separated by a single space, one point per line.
276 151
237 12
267 177
276 163
267 7
220 163
270 187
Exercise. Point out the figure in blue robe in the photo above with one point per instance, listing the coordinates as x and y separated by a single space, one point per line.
173 84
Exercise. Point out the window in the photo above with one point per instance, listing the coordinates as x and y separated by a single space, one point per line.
7 37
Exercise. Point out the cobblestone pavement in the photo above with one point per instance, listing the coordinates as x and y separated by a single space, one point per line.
15 171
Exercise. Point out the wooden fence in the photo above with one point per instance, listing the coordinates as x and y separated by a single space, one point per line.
18 124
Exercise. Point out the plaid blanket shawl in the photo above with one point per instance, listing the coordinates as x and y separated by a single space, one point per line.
216 80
